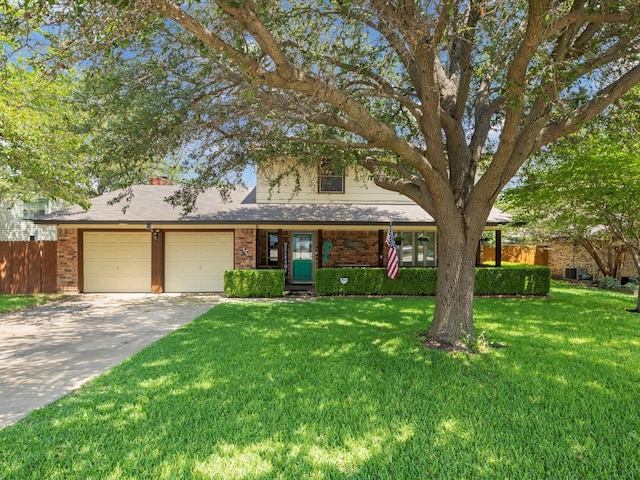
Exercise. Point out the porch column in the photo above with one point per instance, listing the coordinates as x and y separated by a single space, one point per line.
381 243
498 248
259 248
280 249
157 262
319 249
70 263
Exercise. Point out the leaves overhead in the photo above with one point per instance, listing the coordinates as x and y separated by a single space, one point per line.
416 92
40 151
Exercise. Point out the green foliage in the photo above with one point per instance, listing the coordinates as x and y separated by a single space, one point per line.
512 280
587 186
254 283
520 280
341 388
609 283
374 281
41 153
412 93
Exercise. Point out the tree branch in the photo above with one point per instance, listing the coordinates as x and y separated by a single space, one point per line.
588 111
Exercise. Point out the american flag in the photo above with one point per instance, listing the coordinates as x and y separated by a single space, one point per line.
392 256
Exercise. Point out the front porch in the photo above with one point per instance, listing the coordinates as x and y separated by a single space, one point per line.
300 252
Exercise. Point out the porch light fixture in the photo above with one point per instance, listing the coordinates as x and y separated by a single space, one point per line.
156 234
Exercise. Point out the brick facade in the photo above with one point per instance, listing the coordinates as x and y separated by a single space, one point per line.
333 248
567 255
67 260
350 248
244 249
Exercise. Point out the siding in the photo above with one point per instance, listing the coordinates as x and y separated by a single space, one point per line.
359 189
13 228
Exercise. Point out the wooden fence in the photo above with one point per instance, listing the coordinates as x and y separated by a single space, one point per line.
529 255
28 267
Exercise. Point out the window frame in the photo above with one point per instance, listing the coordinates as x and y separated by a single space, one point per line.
412 239
327 176
270 244
31 210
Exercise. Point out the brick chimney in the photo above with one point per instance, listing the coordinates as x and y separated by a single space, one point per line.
159 181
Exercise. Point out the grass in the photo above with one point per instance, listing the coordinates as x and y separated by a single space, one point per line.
15 302
342 388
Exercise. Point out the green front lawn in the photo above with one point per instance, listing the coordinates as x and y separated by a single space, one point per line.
342 388
15 302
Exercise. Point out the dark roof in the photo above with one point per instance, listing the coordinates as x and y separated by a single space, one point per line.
148 205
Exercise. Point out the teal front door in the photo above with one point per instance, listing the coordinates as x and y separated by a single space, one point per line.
302 258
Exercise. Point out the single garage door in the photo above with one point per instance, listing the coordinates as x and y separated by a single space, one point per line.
117 262
196 261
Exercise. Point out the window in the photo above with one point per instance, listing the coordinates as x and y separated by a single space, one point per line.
272 249
31 210
330 179
417 249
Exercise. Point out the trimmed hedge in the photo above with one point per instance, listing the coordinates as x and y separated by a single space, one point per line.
519 280
254 283
374 281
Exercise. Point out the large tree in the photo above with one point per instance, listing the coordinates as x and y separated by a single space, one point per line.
587 186
41 152
416 92
54 144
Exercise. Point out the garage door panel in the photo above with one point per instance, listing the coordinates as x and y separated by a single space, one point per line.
117 262
196 262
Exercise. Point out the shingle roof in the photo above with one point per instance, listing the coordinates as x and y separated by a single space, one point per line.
148 205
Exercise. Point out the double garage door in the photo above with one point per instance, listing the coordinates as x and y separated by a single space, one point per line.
121 261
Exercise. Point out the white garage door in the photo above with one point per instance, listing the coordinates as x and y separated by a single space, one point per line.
117 262
196 261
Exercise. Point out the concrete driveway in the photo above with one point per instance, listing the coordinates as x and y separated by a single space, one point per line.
47 352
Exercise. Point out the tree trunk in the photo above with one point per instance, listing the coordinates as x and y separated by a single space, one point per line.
608 256
636 259
453 317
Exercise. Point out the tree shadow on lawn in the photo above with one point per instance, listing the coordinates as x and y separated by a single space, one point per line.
341 389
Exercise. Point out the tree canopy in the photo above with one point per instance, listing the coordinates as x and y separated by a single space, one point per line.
587 186
415 92
41 153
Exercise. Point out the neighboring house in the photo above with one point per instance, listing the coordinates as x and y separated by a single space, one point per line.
16 220
566 259
333 220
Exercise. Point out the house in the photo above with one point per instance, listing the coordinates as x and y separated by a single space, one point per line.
324 219
17 220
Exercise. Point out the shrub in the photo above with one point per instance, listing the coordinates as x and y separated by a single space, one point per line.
513 280
254 283
516 280
632 284
609 283
374 281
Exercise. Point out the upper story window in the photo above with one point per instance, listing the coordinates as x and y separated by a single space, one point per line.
31 210
330 179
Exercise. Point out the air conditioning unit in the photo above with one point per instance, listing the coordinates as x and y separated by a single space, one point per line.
570 274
